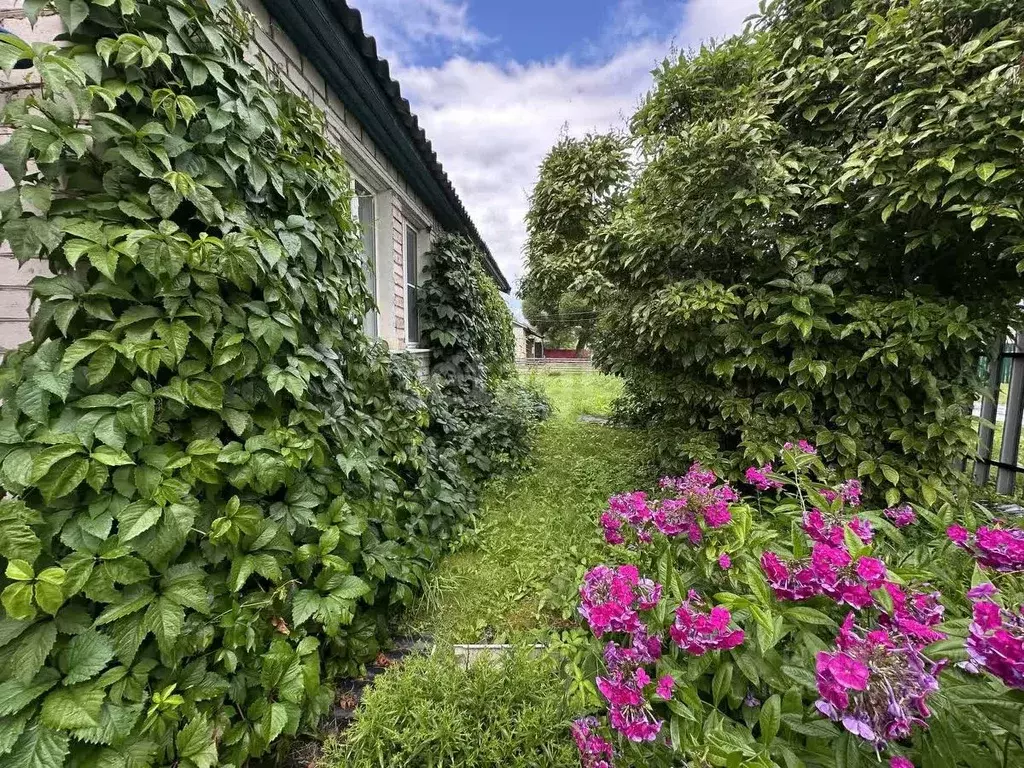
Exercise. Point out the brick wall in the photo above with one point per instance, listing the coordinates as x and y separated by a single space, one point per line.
396 204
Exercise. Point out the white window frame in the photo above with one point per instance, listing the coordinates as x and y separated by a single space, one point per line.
412 306
362 191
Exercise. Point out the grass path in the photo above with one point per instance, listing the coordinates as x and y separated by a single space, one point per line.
537 532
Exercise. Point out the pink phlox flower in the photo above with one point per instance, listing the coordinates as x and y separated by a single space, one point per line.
901 516
665 686
863 529
876 684
628 510
958 535
697 630
629 709
821 530
595 751
700 503
998 548
724 561
985 589
610 598
803 446
872 570
760 480
850 492
913 615
900 762
995 642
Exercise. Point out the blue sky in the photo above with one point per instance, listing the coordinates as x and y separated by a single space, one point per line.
496 82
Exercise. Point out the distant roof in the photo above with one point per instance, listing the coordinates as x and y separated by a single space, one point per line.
330 33
525 324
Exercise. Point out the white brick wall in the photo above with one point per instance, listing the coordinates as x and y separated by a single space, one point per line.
396 205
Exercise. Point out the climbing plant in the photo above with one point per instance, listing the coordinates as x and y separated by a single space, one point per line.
490 417
217 488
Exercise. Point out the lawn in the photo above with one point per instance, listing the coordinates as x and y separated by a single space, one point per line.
537 533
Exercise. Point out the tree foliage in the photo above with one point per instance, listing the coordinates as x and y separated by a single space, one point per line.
824 236
580 186
217 488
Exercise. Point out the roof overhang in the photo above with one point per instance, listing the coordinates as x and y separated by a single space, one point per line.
330 34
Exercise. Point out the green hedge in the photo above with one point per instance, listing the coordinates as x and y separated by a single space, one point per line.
822 238
217 487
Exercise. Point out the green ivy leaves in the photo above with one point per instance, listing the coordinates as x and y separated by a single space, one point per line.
199 445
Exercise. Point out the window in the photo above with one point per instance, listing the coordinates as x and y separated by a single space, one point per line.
365 213
412 279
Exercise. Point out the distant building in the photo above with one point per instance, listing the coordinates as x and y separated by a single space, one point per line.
529 343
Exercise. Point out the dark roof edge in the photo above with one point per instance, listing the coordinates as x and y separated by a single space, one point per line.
330 34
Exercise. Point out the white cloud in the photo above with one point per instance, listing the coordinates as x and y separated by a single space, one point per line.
492 124
403 27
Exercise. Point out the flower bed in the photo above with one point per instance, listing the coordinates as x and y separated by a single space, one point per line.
794 628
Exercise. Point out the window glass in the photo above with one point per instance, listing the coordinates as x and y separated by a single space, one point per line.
412 271
366 215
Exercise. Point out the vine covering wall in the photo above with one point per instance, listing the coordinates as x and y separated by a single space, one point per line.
217 488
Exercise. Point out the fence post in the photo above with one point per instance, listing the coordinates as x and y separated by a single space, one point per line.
1006 479
989 411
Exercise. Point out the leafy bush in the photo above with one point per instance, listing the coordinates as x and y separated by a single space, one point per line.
796 629
217 487
822 238
492 418
435 710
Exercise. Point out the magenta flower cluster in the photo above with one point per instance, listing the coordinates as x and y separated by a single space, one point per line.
830 571
629 688
803 446
595 750
996 638
698 630
875 683
759 478
1001 549
828 529
901 516
696 503
611 599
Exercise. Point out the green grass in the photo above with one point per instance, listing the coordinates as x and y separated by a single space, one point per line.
432 711
538 531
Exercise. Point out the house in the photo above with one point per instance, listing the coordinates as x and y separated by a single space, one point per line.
403 198
529 342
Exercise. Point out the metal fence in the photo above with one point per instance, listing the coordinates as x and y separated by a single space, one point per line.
1000 415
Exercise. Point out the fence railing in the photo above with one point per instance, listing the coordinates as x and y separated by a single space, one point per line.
1000 415
542 364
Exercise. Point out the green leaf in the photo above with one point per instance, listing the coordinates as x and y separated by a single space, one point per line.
722 681
770 718
137 518
275 721
196 743
30 653
205 394
808 615
19 570
17 601
15 695
890 474
165 619
351 588
64 478
38 747
10 729
46 458
165 200
986 171
86 656
70 708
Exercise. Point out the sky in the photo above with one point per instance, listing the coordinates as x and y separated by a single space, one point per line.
495 83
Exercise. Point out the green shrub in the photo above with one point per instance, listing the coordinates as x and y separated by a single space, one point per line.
435 711
488 414
217 488
822 239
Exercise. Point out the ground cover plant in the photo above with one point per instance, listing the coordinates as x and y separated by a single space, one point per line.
821 237
218 490
795 627
516 573
433 711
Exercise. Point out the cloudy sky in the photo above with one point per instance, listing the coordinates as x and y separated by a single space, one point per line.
495 82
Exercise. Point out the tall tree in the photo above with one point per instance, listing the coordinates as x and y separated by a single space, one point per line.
581 184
